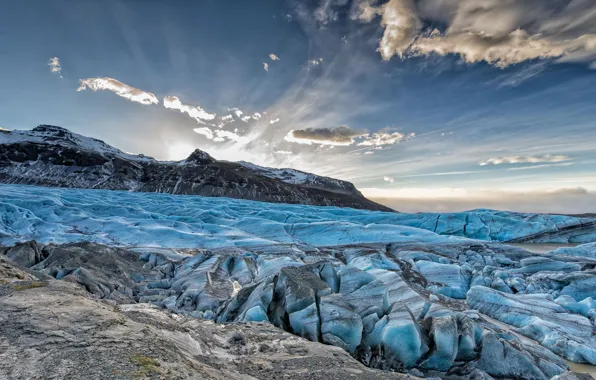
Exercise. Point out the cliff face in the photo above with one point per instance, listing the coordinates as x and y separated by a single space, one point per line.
55 157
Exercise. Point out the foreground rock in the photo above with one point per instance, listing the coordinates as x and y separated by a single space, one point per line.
54 156
387 306
53 330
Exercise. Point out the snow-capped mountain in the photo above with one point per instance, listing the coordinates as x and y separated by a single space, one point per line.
54 156
297 177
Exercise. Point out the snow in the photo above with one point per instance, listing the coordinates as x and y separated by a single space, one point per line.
293 176
62 137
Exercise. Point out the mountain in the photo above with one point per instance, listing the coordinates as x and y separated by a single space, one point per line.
55 157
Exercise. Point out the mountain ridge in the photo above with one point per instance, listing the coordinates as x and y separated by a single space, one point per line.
56 157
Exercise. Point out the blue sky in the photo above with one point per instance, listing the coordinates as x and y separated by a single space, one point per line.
423 104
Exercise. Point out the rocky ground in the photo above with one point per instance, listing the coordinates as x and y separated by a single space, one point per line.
84 310
51 329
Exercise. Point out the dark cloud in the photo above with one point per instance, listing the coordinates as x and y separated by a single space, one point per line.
343 135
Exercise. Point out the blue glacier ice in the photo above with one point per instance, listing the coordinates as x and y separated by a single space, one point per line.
163 220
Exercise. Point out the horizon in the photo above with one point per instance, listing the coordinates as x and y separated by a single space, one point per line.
423 105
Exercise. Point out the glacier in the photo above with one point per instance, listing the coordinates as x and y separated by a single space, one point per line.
151 219
392 293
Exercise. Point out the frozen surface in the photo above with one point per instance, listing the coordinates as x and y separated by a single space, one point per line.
162 220
585 250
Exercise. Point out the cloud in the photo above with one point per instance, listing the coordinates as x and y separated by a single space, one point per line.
540 166
524 160
558 200
273 121
236 111
265 66
312 63
499 32
283 152
401 25
342 136
388 179
55 66
221 135
119 88
208 133
273 57
385 138
197 113
327 11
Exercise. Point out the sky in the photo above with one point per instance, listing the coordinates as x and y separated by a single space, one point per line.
425 105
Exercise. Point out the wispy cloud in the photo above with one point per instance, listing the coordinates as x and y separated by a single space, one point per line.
119 88
195 112
312 63
273 121
385 138
388 179
524 160
273 57
540 166
265 66
55 66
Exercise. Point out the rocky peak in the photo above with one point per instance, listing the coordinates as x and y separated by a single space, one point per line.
45 128
200 157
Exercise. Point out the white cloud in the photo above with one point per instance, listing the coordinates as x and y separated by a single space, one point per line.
312 63
524 160
369 152
273 57
222 135
197 113
55 66
236 111
283 152
208 133
246 118
385 138
276 120
388 179
266 66
119 88
256 116
499 32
